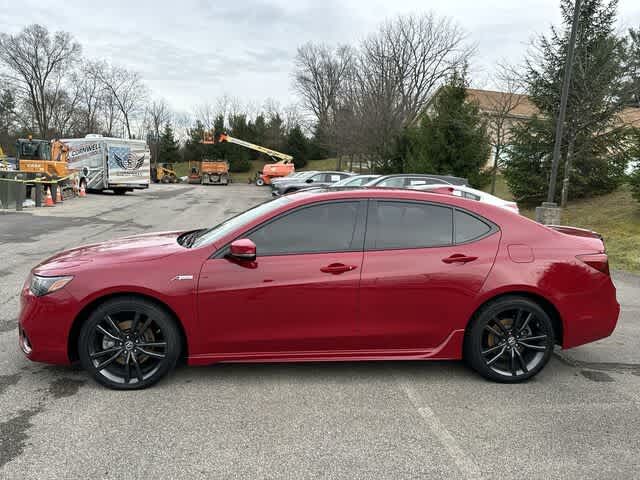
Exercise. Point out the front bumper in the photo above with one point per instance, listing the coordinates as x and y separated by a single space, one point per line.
44 325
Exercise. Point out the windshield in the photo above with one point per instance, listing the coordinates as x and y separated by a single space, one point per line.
207 236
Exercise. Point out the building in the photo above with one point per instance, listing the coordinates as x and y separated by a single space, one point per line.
504 110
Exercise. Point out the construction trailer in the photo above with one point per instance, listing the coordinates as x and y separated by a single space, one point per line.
105 163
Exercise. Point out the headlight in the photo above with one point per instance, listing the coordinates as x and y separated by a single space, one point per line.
42 285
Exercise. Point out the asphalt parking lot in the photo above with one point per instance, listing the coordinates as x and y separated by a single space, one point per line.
580 418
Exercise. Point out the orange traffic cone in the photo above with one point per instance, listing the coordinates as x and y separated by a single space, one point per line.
83 193
59 194
49 200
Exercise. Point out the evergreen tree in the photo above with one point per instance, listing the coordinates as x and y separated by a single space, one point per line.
297 145
168 152
594 147
452 139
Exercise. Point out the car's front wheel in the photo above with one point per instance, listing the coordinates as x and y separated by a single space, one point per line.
128 343
510 340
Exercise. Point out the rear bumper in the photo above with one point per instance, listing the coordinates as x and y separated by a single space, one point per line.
591 316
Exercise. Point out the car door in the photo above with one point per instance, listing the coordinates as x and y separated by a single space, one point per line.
424 264
300 294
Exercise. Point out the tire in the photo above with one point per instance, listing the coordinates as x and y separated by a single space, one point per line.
120 359
119 191
510 340
260 182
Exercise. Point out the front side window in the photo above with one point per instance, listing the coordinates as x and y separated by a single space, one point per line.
327 227
394 224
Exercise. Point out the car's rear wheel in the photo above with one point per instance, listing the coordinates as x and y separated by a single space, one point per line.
510 340
128 343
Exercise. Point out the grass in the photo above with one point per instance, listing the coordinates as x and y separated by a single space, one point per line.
616 216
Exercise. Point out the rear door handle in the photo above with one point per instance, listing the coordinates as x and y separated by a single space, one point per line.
459 258
336 268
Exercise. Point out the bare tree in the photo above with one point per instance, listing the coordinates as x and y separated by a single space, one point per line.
159 114
398 70
318 78
206 113
127 91
65 106
91 94
36 62
501 113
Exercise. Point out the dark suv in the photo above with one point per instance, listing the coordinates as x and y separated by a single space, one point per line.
318 179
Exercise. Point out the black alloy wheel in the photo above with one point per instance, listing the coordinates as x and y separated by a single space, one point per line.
510 340
128 343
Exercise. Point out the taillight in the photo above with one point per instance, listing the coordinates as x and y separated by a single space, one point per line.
599 261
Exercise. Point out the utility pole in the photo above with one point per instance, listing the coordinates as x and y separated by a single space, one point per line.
563 103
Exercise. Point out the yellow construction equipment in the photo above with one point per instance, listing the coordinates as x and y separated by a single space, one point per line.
165 173
35 156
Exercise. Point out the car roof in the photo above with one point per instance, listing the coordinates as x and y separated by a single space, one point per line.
450 178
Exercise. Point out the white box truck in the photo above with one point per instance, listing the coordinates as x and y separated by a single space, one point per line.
105 163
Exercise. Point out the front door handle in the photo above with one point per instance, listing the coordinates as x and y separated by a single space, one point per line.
336 268
459 258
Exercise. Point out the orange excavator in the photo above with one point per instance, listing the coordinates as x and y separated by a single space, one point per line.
43 157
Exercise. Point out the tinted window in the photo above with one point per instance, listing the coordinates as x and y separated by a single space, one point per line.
409 225
469 227
392 182
329 227
471 196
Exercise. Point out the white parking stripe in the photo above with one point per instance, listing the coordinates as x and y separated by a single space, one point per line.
465 464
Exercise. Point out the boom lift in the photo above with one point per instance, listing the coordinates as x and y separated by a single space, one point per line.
281 168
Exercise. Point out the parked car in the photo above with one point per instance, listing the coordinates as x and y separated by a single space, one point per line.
406 180
354 181
471 194
360 274
294 177
317 179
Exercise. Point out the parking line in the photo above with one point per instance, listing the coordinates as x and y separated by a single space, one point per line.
465 464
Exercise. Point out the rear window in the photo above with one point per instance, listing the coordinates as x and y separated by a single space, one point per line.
468 227
409 225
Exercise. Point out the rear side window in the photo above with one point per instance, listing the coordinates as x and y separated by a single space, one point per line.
328 227
468 227
408 225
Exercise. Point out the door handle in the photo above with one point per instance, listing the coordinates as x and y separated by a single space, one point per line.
336 268
459 258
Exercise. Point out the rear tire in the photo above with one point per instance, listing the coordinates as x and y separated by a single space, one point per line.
259 182
510 340
128 343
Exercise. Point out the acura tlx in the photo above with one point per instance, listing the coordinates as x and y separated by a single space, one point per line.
370 274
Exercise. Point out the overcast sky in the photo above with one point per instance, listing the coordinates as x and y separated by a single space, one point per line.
191 51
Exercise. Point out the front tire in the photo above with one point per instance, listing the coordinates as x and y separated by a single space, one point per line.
510 340
260 182
129 343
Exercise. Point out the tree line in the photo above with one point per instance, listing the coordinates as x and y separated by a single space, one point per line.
395 102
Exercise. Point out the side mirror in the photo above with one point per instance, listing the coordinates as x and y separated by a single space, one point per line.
309 180
243 249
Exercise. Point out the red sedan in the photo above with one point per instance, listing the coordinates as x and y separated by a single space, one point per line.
338 275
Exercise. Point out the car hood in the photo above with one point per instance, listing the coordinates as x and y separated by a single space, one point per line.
137 248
